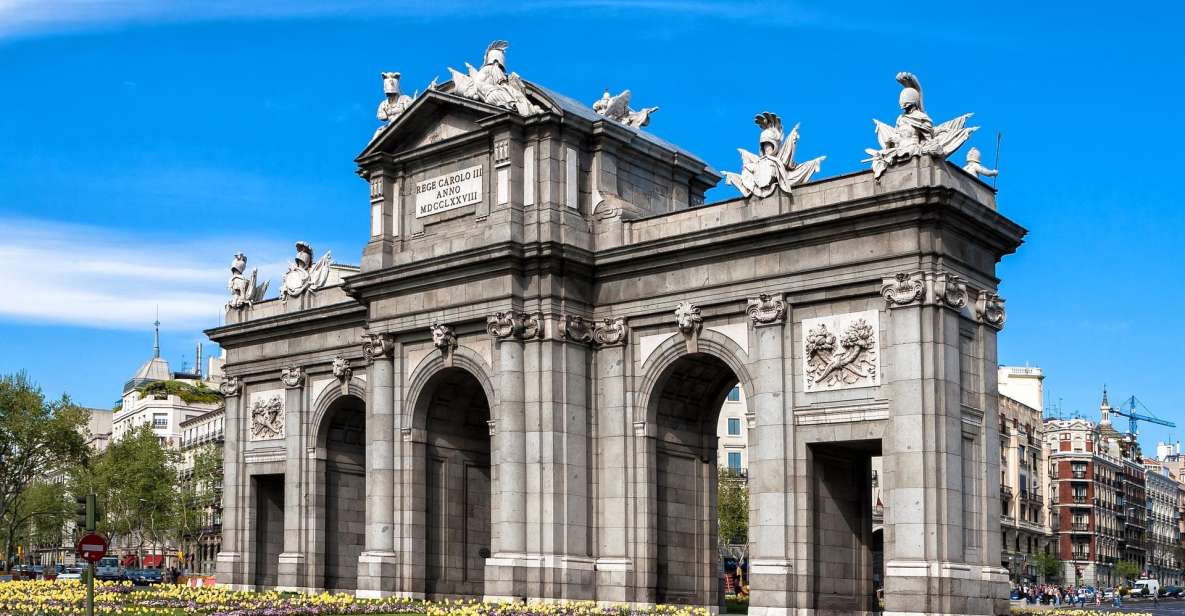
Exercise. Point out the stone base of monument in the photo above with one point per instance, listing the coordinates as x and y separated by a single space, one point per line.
944 589
548 578
377 575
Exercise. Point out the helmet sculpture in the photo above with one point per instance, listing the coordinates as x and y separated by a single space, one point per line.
390 83
496 54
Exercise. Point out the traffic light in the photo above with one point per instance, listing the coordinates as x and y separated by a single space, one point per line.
86 512
80 507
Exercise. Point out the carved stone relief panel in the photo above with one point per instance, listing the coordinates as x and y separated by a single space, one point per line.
841 351
266 416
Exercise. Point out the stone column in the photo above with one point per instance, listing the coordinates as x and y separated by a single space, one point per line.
378 562
934 480
504 569
615 568
775 477
230 571
291 566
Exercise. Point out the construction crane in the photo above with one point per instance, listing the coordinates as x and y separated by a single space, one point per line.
1128 409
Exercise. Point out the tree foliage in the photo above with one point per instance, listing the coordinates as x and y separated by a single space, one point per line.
1127 570
37 439
135 480
191 393
1048 565
732 506
201 494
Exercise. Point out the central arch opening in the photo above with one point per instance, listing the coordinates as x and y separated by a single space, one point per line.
457 485
686 405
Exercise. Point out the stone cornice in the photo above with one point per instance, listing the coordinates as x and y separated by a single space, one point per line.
479 263
905 209
283 325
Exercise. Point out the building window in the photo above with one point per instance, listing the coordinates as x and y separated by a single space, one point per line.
160 421
734 460
734 426
735 394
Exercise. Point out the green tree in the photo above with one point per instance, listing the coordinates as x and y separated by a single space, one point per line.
37 438
1127 570
201 494
1048 565
136 482
732 506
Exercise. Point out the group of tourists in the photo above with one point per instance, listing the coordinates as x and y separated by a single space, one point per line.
1052 594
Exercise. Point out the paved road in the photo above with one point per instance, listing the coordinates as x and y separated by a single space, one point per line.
1167 607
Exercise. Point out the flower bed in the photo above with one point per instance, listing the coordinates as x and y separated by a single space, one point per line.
1065 611
42 598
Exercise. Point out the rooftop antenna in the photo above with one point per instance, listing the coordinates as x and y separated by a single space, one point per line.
197 363
156 335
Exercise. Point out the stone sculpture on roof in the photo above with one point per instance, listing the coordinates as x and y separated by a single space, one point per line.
774 168
976 167
244 291
915 133
395 103
618 108
491 84
304 275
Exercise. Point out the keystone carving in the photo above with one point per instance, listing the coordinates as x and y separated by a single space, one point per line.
576 329
267 419
230 386
444 339
766 310
342 370
517 324
904 289
375 346
849 360
610 332
690 322
292 376
989 309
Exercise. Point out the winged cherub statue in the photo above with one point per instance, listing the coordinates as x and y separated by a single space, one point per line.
915 133
304 275
244 291
492 85
774 168
618 108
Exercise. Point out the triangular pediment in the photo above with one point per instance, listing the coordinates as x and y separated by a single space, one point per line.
434 116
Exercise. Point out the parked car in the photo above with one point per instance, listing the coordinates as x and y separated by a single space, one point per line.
109 570
71 573
1146 588
144 577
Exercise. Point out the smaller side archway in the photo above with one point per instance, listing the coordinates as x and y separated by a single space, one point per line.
341 490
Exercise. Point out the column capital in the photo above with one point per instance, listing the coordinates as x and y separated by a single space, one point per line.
510 324
375 346
904 289
230 386
767 310
611 332
575 328
989 309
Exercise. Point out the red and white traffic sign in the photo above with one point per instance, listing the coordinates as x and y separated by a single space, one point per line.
92 547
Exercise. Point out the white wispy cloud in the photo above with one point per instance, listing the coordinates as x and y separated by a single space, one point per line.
98 277
33 17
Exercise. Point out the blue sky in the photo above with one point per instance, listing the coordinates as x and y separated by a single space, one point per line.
143 142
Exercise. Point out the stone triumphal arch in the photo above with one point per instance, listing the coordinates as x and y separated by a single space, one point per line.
515 395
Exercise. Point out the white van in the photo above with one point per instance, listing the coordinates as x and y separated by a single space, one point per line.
1146 587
